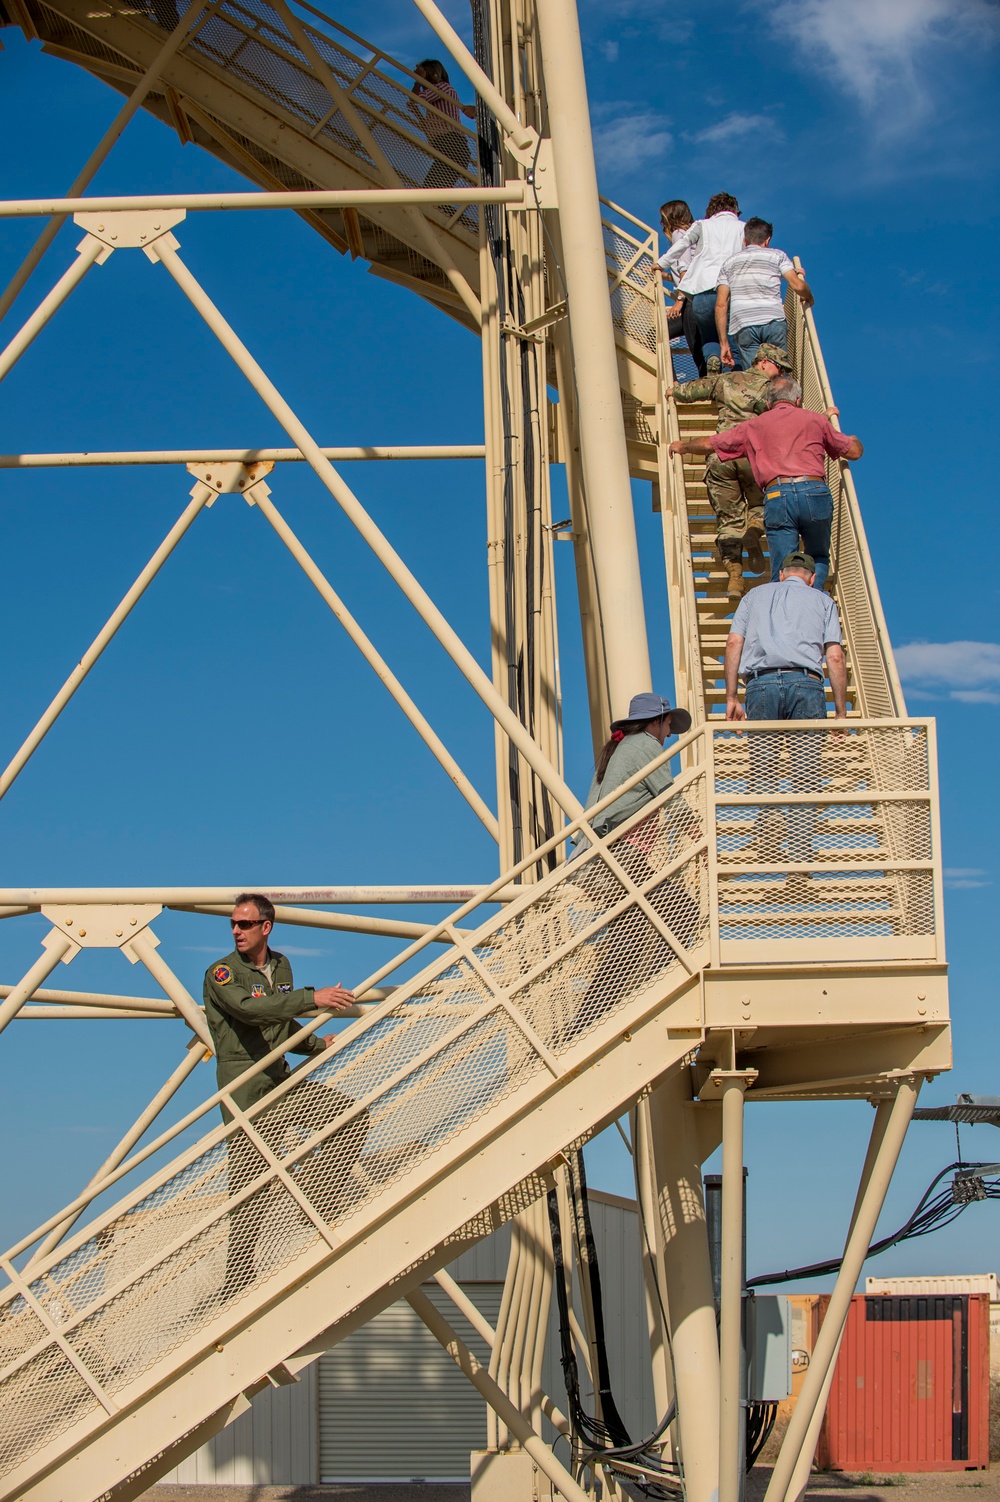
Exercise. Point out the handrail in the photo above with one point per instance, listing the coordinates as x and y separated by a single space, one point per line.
875 672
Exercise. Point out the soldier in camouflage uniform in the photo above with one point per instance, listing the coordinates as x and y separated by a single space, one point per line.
733 492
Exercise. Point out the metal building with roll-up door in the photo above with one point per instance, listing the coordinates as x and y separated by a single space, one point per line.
387 1403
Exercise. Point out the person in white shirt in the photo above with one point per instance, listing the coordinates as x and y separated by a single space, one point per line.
713 239
749 307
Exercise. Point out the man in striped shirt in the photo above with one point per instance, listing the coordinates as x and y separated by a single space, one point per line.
749 307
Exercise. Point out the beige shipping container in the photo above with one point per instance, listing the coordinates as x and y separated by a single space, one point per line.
946 1283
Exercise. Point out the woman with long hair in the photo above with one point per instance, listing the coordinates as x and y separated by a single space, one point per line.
675 218
634 741
441 118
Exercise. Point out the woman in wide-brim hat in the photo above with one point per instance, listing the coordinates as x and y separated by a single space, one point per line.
631 950
634 742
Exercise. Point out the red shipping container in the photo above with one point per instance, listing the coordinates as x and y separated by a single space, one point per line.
911 1391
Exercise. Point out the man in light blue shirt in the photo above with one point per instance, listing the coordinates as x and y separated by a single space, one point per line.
779 637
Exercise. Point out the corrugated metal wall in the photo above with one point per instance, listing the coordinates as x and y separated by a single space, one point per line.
276 1442
393 1406
373 1406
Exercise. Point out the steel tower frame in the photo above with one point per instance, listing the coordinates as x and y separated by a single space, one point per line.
841 997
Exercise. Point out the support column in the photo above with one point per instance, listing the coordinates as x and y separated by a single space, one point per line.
803 1466
603 448
656 1300
855 1252
681 1140
732 1425
497 1399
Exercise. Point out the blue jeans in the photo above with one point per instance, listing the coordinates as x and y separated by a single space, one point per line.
749 340
785 696
803 509
703 308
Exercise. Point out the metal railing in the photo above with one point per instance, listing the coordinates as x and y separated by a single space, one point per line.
812 842
249 43
856 591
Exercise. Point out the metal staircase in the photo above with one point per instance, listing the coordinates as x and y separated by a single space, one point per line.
776 915
461 1091
704 609
293 101
448 1109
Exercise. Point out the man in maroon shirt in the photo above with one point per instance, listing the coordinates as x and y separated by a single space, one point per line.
787 448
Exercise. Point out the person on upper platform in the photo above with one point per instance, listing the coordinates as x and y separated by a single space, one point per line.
713 239
436 105
734 494
787 447
749 306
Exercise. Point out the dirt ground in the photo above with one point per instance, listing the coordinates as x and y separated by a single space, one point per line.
829 1487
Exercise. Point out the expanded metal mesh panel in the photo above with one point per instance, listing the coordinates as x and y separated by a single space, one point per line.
633 288
20 1330
826 869
682 361
828 905
858 833
872 759
250 42
40 1400
637 424
56 27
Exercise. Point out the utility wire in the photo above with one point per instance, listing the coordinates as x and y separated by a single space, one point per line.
933 1212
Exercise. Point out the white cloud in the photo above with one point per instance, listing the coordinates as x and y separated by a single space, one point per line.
628 143
609 51
964 878
976 696
878 50
967 671
734 126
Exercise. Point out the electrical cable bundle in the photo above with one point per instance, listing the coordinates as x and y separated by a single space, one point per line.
603 1440
933 1212
520 460
760 1421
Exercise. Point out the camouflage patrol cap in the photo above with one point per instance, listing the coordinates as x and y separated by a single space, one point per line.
773 352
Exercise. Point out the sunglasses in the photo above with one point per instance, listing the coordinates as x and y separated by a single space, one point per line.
245 923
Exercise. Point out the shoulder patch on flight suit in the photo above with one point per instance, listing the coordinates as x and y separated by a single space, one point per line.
256 990
222 975
285 986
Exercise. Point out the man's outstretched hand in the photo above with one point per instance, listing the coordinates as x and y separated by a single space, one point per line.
334 998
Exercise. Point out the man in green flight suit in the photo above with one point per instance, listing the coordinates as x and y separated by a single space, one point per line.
734 494
252 1007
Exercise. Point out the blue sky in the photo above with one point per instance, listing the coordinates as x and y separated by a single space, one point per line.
231 734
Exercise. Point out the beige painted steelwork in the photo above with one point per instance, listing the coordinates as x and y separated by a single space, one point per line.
770 928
